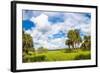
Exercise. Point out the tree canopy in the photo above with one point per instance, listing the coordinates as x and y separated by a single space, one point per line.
27 42
74 38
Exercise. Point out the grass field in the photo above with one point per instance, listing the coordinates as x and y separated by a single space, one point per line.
57 55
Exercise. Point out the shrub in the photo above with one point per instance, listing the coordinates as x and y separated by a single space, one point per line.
82 56
38 58
25 59
35 58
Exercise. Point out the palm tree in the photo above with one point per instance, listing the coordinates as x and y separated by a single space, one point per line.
68 42
71 37
27 42
87 43
78 39
74 38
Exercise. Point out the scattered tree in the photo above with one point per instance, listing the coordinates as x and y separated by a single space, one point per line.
27 42
74 38
87 43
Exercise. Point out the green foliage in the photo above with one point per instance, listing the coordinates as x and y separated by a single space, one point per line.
86 45
83 56
57 55
27 42
71 53
69 43
73 38
37 58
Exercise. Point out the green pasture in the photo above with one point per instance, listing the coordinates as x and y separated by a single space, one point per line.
57 55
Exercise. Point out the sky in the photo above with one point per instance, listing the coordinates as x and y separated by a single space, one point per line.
49 29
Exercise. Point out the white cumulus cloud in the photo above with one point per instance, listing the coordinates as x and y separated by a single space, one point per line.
44 29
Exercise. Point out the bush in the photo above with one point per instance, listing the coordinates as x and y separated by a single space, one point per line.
82 56
25 59
35 59
38 58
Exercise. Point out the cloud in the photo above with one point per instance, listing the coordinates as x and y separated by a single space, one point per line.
56 18
79 18
27 14
86 29
51 33
42 23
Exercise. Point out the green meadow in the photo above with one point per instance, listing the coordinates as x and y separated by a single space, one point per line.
57 55
72 52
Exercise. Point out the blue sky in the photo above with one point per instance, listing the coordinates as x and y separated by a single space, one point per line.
27 24
49 29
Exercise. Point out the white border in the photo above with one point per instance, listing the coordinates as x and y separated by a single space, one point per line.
21 65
